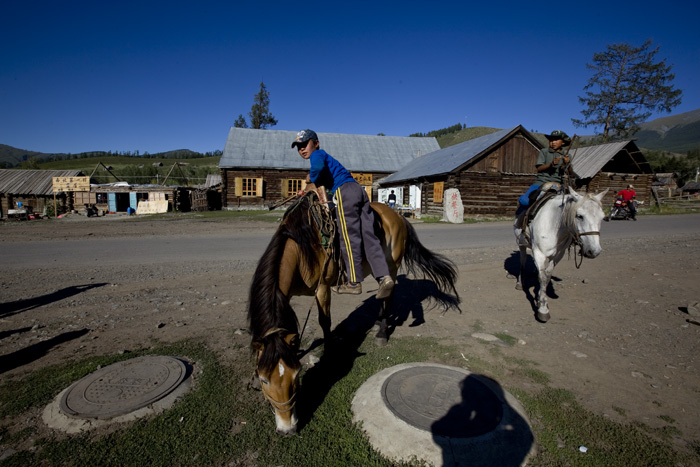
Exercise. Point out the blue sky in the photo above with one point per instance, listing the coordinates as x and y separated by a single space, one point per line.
80 76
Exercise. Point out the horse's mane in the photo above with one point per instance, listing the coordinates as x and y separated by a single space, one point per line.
268 308
572 205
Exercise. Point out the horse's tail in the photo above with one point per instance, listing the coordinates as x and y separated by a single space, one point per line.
438 268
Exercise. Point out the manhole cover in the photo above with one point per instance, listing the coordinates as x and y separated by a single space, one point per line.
123 387
442 401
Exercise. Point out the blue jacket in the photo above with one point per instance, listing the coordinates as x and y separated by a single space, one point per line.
327 172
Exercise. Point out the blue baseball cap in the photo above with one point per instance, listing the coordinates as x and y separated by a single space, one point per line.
305 135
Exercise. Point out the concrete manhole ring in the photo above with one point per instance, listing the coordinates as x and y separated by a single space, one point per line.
441 400
443 415
123 387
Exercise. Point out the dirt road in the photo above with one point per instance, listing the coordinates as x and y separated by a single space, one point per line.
618 338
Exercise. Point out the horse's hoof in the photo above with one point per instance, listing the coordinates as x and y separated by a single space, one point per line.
381 341
518 286
542 317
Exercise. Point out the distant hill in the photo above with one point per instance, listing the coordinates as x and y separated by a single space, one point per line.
676 133
12 157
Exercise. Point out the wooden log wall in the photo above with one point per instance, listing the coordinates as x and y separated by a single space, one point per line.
617 182
272 186
484 194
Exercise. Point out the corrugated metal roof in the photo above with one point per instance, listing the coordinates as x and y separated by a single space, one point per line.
448 159
31 182
587 161
247 147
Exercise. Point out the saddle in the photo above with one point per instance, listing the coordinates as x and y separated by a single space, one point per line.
537 199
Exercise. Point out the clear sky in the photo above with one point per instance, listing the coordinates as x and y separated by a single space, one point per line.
154 76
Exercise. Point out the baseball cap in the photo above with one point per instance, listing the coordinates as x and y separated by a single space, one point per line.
304 136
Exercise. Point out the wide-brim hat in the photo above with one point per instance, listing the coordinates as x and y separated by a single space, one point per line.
305 135
558 134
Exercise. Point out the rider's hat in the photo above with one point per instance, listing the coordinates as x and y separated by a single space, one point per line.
305 135
558 134
630 186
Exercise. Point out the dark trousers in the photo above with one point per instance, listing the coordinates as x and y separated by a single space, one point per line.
356 226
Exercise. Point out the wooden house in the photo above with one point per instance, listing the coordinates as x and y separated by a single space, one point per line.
490 173
259 167
614 166
33 189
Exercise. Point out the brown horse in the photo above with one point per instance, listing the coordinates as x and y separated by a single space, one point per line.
301 259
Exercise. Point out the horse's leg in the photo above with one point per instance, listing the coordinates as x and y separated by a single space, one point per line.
323 301
521 272
545 267
382 337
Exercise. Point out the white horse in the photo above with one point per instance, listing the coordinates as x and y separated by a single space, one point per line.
561 221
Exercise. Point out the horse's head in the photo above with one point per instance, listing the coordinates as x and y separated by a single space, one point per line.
584 221
278 370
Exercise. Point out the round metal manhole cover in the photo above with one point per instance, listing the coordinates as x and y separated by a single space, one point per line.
123 387
442 401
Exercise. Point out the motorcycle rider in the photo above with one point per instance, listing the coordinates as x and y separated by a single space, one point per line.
629 195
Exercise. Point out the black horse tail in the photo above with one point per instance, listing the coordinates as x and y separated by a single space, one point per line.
436 267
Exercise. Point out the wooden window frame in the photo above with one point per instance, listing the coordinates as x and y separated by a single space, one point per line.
249 187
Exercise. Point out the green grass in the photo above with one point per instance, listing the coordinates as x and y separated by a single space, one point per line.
220 422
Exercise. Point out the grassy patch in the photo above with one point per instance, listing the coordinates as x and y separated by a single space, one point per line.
221 422
506 338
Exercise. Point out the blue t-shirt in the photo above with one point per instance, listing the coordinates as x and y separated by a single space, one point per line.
327 172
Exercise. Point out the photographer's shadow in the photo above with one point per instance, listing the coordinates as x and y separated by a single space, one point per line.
486 428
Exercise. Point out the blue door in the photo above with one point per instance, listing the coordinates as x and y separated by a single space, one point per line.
112 202
132 200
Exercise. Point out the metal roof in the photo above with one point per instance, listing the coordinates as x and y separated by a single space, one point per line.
588 160
31 182
252 148
450 158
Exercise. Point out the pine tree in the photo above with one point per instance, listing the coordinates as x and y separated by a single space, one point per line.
260 116
630 85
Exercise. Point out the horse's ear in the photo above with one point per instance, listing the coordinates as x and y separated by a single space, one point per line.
574 193
257 346
292 340
600 195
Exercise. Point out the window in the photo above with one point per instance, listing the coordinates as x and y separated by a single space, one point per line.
290 186
249 186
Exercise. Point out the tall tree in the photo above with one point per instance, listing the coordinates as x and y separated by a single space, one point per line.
627 85
260 116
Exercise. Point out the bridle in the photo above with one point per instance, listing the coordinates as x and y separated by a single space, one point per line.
279 406
576 242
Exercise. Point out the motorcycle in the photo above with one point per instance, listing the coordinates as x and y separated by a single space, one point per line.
621 210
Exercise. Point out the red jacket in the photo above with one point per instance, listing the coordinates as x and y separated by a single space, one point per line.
626 194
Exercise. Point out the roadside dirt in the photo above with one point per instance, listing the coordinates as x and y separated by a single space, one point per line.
619 336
